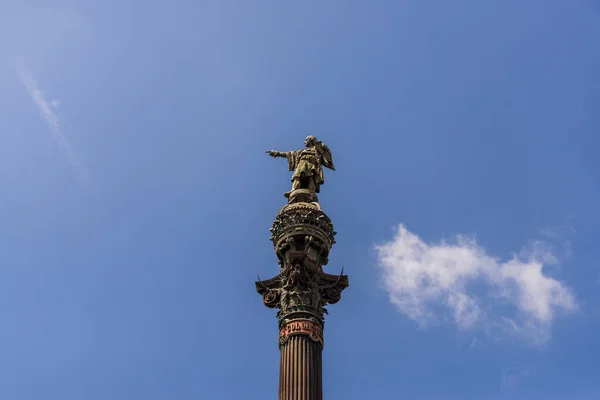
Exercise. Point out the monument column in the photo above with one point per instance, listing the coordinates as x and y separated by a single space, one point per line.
302 235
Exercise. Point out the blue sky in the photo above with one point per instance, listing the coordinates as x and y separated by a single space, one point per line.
136 196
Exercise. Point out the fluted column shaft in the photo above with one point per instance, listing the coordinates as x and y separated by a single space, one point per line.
300 370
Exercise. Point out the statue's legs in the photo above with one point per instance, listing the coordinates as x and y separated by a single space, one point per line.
304 182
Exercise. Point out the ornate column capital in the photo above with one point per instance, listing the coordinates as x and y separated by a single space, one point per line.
302 235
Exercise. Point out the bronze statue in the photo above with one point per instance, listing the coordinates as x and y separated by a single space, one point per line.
306 164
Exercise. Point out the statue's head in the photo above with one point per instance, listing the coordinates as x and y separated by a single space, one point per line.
310 141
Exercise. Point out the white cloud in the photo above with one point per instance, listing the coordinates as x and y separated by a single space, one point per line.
51 119
432 283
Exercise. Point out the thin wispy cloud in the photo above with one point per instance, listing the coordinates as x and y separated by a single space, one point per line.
511 377
460 283
561 234
47 113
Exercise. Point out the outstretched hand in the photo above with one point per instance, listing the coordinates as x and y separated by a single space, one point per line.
272 153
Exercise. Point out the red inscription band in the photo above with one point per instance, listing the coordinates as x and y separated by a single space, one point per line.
301 327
